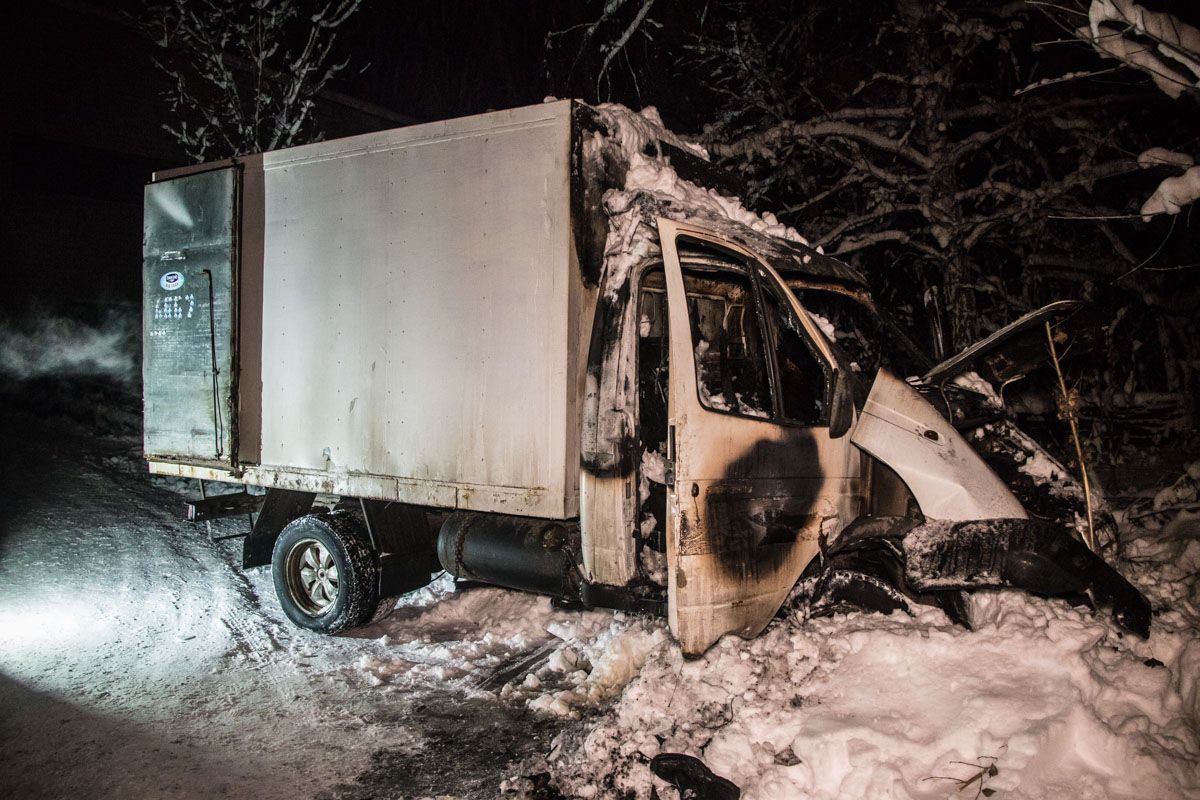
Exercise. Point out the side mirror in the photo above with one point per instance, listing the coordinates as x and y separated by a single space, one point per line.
841 405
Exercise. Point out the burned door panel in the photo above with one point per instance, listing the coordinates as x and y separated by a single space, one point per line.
756 479
1019 347
189 253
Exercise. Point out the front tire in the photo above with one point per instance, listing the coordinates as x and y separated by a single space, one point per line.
326 573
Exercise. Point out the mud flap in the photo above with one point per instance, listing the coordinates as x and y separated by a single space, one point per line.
280 507
1033 555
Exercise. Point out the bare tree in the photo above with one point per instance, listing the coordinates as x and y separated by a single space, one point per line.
244 75
906 147
936 145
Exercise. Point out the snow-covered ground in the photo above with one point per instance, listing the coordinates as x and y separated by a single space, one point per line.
871 706
137 660
1041 700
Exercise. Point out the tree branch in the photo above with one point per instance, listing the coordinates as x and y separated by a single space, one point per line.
773 136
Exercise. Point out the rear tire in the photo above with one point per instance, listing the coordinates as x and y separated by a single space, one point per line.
326 573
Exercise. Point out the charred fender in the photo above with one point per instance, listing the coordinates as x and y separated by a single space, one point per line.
945 474
1036 556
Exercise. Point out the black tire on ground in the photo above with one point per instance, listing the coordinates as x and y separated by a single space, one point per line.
326 573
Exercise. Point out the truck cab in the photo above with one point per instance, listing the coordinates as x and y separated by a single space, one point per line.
739 409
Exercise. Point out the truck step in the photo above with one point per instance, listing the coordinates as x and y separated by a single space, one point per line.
219 506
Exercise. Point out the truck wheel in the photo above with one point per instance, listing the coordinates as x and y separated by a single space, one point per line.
326 573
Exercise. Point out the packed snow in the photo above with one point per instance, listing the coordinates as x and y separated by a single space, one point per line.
1055 698
628 242
1175 192
632 132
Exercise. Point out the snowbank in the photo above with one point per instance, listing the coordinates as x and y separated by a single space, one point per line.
1051 696
868 706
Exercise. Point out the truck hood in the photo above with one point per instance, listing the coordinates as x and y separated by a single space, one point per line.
1013 351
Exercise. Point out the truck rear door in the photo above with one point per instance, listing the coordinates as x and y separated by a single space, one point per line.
757 475
188 314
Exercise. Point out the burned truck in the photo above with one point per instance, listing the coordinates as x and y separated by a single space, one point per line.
548 349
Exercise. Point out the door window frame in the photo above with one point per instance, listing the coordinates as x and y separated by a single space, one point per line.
752 267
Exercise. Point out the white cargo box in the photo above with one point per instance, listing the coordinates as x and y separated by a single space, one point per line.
410 322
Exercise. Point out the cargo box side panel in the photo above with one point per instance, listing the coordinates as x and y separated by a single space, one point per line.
187 317
415 313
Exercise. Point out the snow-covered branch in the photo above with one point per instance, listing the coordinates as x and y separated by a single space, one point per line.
1173 194
244 76
853 223
854 244
1155 42
771 138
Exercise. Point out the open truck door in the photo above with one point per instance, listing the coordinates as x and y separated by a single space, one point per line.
757 416
1019 347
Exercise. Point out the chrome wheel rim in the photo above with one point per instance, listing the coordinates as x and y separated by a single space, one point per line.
312 577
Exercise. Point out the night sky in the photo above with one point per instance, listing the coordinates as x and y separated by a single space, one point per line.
82 130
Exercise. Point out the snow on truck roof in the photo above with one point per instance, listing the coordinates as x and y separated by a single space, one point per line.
667 176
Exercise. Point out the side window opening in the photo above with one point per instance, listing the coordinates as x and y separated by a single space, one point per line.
868 341
732 374
803 375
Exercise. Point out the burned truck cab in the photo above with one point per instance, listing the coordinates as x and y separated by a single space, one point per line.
732 411
749 451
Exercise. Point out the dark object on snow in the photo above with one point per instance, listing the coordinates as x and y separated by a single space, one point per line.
1029 554
881 563
692 778
865 569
